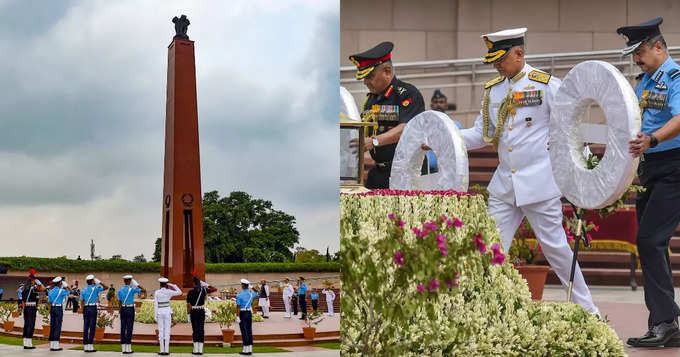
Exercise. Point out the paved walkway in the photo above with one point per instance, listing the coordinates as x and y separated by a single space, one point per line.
626 311
43 351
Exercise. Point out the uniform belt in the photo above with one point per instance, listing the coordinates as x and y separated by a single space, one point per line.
129 305
56 304
95 304
383 164
30 303
164 304
248 309
201 307
662 155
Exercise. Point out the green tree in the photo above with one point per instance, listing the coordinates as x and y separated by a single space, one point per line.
309 256
240 228
157 251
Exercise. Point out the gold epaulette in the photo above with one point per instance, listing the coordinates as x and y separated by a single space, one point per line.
539 76
493 82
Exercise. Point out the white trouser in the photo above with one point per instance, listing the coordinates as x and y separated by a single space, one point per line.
545 218
286 303
164 321
330 307
264 304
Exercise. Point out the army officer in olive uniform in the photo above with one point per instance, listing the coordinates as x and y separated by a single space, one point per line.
390 104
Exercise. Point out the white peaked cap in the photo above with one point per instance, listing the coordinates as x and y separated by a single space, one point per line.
89 277
56 280
127 277
244 281
506 34
163 280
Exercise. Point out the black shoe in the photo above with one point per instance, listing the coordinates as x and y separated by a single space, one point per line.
673 342
29 348
56 349
633 340
657 336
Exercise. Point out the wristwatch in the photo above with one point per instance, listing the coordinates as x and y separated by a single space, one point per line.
653 141
375 141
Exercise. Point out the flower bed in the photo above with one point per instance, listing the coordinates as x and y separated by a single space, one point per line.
146 314
423 275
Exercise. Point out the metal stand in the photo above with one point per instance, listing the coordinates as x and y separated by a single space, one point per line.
579 235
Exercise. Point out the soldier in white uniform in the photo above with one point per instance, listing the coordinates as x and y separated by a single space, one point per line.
161 303
330 297
514 119
288 293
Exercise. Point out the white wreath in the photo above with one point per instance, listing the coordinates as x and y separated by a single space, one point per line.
436 130
602 83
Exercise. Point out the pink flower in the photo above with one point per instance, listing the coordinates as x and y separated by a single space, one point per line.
498 256
570 238
399 258
596 228
416 231
457 222
392 216
421 288
442 218
441 238
434 284
590 238
400 224
451 283
479 243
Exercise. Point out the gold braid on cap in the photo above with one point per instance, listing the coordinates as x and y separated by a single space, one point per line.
505 108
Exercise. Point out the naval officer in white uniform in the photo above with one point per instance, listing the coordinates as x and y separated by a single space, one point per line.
514 119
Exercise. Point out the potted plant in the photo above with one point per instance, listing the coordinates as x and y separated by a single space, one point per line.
225 315
313 318
7 310
44 311
104 319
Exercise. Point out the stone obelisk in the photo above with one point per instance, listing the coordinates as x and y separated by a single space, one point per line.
182 235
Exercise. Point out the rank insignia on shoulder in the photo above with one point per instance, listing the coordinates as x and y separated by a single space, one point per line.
493 82
401 90
539 76
406 102
674 73
661 86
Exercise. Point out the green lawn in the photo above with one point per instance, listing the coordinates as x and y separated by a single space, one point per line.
328 345
184 349
17 341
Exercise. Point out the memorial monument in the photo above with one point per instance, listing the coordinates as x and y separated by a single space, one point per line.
182 232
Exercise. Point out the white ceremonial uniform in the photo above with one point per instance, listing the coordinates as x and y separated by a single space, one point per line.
161 302
330 297
523 183
288 293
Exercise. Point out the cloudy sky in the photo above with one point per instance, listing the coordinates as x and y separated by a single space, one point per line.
82 118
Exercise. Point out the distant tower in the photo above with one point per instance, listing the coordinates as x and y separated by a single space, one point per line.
92 249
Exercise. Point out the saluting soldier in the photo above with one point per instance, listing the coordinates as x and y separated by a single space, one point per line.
330 297
514 119
126 296
55 298
90 296
658 146
390 104
161 303
29 297
244 308
196 305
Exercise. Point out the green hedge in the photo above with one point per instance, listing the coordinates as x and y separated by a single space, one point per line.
84 266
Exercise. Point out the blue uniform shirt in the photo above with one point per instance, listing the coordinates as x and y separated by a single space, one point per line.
126 294
314 296
245 298
57 295
303 289
661 91
90 294
2 291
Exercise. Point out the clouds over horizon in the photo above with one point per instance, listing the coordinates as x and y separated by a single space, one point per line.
82 130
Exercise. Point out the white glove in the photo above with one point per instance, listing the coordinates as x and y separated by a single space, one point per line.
37 282
134 283
204 284
97 281
238 320
64 284
188 317
155 318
